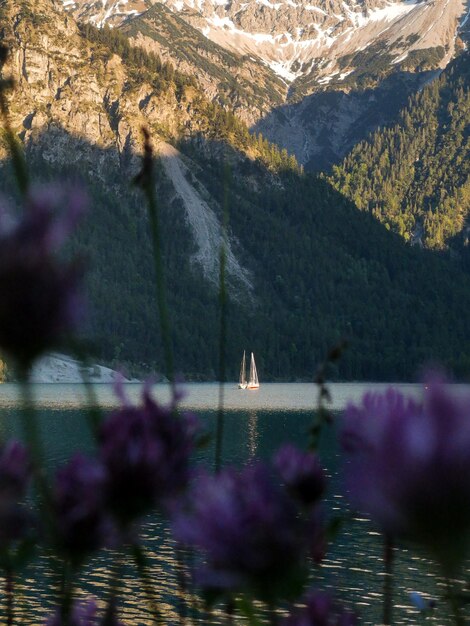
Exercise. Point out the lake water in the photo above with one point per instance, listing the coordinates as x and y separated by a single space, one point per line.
256 423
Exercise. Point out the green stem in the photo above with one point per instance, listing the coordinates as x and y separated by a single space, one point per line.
180 573
388 582
223 331
148 185
93 413
115 582
66 594
140 561
36 452
9 597
29 423
223 327
454 605
17 157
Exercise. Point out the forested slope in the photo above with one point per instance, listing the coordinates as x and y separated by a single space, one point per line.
415 176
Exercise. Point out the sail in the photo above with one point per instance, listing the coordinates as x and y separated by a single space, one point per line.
253 382
242 380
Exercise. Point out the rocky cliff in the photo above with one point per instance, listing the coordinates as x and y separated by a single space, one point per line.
319 42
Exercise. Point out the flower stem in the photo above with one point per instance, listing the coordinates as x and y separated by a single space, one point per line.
94 413
9 597
145 180
29 422
388 582
66 593
17 157
454 605
223 329
140 561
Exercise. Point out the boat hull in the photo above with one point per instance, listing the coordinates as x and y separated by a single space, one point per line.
252 387
242 386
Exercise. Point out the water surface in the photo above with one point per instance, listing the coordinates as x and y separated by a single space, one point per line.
256 424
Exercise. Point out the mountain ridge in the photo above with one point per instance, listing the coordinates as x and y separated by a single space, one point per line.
314 40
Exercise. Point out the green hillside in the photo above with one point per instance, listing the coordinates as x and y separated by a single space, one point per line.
415 176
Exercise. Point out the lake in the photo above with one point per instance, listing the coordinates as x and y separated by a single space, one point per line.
256 423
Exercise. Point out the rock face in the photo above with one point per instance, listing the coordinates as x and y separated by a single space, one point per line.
241 83
75 102
320 42
323 127
63 82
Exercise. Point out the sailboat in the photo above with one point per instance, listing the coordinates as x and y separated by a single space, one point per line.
242 380
253 382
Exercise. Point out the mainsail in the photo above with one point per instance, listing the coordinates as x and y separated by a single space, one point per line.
253 382
242 380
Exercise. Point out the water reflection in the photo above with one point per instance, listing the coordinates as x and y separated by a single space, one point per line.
252 434
353 566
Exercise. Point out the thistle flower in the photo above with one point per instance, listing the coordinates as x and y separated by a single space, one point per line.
81 524
145 451
40 301
301 473
408 467
248 530
320 610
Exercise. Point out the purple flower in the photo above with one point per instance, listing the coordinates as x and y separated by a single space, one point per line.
146 453
81 524
85 614
301 473
40 301
320 610
248 530
15 474
82 614
15 468
408 467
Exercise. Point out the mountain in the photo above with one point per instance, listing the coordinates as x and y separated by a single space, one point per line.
415 176
313 76
241 83
319 41
305 268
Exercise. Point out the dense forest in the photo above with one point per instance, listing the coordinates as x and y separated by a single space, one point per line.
321 271
415 176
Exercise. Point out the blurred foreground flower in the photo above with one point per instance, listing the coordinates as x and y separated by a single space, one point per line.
145 451
320 610
408 467
84 614
40 301
81 524
302 474
15 475
249 531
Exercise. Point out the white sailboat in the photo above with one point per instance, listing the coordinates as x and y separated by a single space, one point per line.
253 382
242 381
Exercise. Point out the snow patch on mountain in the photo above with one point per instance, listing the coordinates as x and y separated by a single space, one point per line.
295 37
